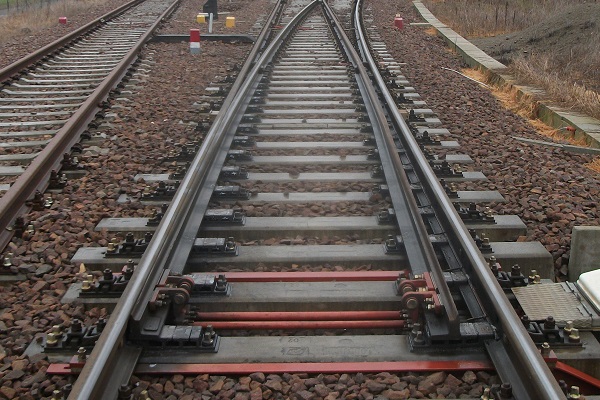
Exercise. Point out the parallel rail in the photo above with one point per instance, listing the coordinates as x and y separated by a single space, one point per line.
36 176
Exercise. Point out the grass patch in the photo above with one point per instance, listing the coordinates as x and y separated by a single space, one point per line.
542 70
526 108
36 19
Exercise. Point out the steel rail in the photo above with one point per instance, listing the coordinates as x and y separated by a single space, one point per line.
92 382
537 379
35 177
27 61
420 251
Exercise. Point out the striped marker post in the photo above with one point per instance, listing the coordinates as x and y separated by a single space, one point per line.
195 41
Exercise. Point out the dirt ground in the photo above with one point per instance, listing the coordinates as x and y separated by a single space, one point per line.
572 38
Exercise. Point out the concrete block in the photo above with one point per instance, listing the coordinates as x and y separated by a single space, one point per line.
585 251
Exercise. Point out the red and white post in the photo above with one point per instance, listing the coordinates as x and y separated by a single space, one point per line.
195 41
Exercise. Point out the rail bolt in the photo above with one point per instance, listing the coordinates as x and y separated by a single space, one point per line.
545 349
574 393
81 354
51 340
8 260
574 336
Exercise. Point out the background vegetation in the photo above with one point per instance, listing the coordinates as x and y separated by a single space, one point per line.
567 66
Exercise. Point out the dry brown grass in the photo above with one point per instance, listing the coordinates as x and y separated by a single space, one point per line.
542 71
493 17
35 19
594 165
526 108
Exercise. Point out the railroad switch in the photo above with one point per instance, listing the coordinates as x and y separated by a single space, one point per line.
163 191
216 246
157 215
224 216
233 172
231 192
473 214
75 337
170 302
243 141
130 246
239 155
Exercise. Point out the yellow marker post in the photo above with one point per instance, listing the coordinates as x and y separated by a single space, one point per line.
229 22
201 18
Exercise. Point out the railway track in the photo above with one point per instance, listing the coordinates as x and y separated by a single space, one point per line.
308 208
49 98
